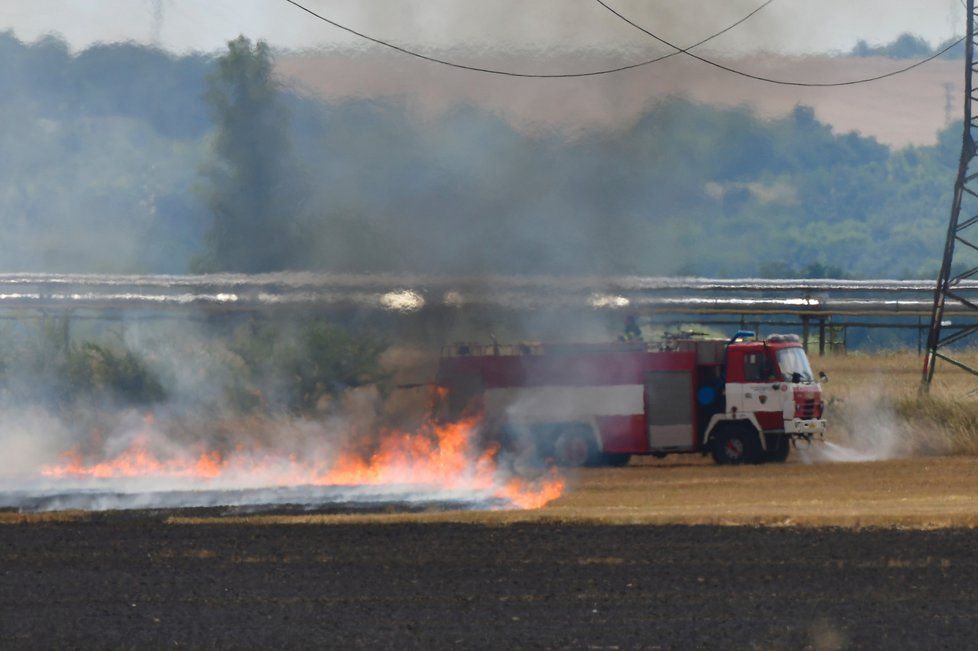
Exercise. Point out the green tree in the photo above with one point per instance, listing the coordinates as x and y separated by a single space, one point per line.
254 192
289 367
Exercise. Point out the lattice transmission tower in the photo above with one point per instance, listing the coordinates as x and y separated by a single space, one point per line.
960 262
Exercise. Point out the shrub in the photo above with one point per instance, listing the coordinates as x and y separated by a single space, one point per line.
120 376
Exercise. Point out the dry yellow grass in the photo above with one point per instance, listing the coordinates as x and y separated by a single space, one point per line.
913 493
872 396
11 517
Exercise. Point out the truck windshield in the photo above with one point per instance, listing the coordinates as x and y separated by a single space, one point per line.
794 360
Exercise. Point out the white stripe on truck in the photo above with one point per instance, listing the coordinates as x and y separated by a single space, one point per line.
564 403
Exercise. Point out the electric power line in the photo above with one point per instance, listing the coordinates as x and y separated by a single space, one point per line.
508 73
676 48
780 82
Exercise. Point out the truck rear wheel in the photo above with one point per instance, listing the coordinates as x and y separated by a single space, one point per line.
778 448
575 447
736 444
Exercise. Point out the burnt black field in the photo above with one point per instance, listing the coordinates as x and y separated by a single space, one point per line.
133 581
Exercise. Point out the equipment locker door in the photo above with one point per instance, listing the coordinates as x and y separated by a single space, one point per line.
669 410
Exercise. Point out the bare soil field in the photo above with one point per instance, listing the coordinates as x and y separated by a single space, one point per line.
137 582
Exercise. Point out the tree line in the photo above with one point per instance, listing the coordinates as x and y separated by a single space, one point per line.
123 158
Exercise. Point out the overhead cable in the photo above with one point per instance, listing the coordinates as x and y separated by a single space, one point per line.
676 50
780 82
508 73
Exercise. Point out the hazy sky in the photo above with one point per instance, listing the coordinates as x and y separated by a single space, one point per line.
793 26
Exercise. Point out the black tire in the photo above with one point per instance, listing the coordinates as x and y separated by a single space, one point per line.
575 448
736 444
615 460
778 448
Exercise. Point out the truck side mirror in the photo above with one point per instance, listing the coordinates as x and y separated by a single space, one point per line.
822 377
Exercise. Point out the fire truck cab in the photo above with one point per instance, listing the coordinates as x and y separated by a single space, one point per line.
742 400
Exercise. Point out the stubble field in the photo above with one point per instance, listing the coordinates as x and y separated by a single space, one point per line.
141 583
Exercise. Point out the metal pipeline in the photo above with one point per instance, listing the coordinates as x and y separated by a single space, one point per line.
398 299
295 281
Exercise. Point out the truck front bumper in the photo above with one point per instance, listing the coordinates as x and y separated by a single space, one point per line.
806 428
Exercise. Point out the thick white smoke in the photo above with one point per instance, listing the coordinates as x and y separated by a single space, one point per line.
871 431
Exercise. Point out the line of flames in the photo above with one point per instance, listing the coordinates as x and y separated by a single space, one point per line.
440 456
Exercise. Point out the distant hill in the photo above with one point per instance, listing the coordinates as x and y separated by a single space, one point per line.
403 166
908 46
908 109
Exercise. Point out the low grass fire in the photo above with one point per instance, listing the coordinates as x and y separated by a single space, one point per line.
443 459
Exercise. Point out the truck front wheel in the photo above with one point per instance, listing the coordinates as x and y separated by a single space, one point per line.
736 444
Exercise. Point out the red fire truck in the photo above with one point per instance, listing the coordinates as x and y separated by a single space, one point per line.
742 400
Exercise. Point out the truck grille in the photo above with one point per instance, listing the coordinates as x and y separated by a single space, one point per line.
806 409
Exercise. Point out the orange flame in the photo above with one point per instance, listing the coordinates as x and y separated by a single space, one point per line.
438 456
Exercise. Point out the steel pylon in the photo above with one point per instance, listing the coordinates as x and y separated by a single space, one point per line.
959 231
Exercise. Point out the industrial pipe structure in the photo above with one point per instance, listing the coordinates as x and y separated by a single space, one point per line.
408 294
282 281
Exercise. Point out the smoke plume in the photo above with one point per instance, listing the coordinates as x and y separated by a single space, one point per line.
866 428
235 427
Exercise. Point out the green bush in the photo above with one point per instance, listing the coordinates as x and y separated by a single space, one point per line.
40 364
120 376
295 368
263 365
329 360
